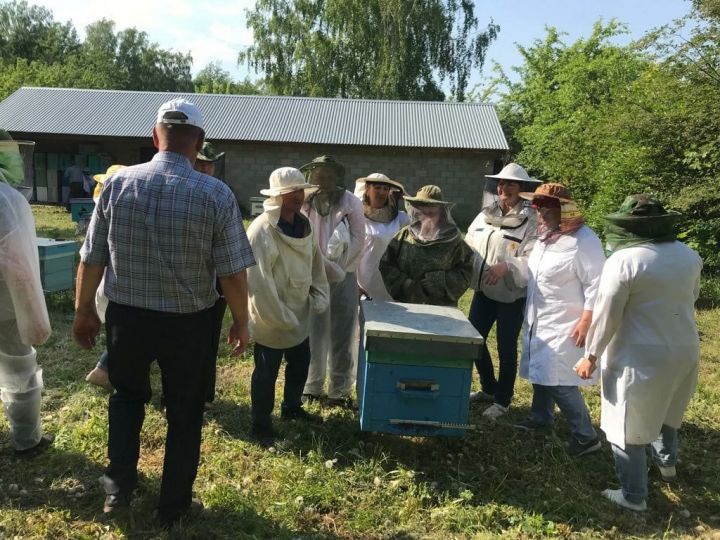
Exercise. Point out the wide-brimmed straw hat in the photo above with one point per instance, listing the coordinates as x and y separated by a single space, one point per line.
640 209
380 178
208 153
428 195
556 191
286 180
112 169
514 173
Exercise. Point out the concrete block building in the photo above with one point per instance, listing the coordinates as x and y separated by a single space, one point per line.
452 145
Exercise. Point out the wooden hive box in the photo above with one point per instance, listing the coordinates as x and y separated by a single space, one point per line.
415 369
81 209
57 264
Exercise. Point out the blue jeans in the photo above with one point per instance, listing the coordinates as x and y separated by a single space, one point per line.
508 317
571 404
631 463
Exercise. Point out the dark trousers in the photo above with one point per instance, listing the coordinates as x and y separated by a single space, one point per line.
181 345
485 312
267 365
217 319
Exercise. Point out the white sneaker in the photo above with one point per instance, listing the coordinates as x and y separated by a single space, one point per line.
616 496
668 474
481 397
494 411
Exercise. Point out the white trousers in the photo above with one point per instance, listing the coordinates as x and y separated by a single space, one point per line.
333 342
20 387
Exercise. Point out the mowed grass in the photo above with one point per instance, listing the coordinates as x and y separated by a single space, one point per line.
333 481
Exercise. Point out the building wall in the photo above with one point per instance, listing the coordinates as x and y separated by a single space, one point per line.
460 174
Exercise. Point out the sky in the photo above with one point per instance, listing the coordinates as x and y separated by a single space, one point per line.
217 32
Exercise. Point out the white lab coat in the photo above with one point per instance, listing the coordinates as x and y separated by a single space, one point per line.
377 238
563 277
644 323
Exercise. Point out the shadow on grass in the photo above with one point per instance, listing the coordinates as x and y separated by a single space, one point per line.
502 469
68 483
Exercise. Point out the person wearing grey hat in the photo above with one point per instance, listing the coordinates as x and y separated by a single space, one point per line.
502 236
644 333
24 320
337 220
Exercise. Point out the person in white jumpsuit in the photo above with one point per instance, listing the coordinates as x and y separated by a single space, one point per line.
337 219
644 332
563 275
380 196
24 320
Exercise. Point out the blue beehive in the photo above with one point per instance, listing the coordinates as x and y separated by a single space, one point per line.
81 209
415 369
57 264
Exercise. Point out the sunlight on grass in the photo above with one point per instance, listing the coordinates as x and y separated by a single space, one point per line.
336 482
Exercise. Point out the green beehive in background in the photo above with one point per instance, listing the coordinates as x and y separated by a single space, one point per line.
52 161
57 264
94 164
64 161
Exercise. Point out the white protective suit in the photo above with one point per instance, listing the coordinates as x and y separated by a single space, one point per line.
287 285
496 238
644 323
562 283
333 331
23 319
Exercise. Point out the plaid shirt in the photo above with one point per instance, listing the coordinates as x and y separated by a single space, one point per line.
164 231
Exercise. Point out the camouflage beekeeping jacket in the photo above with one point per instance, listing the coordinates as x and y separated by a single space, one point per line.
436 273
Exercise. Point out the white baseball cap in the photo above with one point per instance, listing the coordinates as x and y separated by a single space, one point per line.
180 111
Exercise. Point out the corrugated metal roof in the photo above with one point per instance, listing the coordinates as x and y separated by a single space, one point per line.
116 113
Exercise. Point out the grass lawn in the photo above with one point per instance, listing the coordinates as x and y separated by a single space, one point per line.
334 481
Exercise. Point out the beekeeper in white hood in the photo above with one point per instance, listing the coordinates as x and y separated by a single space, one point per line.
380 198
24 318
644 331
337 219
286 288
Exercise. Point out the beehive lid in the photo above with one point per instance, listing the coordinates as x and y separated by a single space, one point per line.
418 327
50 242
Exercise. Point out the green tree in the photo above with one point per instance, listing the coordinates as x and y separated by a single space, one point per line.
382 49
611 120
561 116
31 32
213 79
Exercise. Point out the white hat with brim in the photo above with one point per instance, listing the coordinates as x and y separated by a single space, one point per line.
286 180
514 173
380 178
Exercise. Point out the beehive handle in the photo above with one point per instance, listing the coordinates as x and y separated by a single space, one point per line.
421 385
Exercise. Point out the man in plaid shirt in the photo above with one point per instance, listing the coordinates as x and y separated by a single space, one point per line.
163 231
